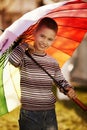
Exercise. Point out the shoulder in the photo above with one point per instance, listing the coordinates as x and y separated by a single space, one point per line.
52 59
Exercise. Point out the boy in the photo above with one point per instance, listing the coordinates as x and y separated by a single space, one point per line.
37 99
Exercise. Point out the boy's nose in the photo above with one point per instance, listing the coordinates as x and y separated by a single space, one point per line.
45 41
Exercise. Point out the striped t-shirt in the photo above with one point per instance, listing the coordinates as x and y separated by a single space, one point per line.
36 85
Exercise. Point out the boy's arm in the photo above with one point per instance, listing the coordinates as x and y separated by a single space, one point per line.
16 57
65 87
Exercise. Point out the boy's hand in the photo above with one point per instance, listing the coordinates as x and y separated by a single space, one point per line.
26 46
31 48
71 92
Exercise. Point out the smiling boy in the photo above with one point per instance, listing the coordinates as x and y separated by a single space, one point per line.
37 99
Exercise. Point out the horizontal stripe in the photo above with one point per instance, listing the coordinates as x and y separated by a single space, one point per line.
36 85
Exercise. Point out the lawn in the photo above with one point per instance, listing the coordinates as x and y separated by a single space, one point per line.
69 115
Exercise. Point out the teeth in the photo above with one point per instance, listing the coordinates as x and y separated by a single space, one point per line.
42 46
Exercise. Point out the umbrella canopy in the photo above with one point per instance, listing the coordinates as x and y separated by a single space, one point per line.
72 26
71 17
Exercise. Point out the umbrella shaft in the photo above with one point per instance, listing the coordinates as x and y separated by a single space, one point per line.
80 104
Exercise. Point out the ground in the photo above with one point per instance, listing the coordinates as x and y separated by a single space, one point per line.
69 115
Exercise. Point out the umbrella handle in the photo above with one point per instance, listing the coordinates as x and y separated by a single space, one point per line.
76 100
80 104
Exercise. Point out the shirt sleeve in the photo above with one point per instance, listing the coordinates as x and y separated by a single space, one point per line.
62 82
16 57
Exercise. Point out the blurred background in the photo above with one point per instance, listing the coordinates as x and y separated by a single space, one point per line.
69 115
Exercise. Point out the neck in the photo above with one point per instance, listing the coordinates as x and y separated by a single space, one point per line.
40 53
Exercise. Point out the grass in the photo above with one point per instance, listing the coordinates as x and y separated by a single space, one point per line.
69 115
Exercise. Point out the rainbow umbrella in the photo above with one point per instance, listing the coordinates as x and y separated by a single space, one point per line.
71 17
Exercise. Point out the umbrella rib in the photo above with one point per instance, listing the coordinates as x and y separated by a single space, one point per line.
68 38
61 10
61 50
73 27
70 17
67 10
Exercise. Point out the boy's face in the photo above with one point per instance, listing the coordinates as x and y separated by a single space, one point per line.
44 38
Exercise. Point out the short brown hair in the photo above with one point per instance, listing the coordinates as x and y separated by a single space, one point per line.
48 22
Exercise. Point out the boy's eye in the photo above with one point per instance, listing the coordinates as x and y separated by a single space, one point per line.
42 35
50 39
